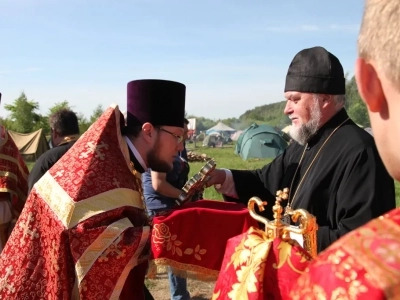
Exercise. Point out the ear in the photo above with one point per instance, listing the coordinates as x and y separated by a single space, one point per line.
369 85
148 132
326 100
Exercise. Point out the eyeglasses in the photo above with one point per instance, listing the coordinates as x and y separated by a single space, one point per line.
179 138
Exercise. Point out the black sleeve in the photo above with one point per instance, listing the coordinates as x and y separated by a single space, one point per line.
39 169
366 192
262 183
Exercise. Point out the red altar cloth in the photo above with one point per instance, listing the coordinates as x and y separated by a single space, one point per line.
192 238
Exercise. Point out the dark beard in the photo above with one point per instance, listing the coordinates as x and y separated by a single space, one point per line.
154 162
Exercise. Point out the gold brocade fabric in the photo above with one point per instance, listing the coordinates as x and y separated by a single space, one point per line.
256 267
82 233
364 264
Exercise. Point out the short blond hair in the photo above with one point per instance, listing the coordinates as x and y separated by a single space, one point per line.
379 37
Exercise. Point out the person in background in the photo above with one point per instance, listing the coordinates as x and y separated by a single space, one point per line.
84 232
64 128
333 169
365 264
13 184
161 191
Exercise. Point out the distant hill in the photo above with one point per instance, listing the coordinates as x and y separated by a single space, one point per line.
272 114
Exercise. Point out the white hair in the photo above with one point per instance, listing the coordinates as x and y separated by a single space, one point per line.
340 100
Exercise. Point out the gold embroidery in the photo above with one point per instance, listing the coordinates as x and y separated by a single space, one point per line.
99 246
8 174
53 258
26 227
4 284
250 256
196 272
344 268
113 249
162 235
71 213
131 264
14 160
375 250
285 252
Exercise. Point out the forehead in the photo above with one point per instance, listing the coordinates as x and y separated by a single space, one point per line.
292 95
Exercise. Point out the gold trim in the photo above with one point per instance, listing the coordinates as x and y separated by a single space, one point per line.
278 228
102 242
14 160
159 265
131 264
380 274
71 213
8 174
121 141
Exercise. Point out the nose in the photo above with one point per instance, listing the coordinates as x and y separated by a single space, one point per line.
288 108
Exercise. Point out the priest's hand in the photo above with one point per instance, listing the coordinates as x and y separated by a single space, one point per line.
216 177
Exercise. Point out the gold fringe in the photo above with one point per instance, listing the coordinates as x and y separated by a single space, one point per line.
160 265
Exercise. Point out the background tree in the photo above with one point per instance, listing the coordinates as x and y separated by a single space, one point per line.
356 108
97 112
83 122
23 115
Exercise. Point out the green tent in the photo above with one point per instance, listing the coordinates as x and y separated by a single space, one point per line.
260 141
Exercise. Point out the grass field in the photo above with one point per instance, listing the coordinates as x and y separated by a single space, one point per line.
226 158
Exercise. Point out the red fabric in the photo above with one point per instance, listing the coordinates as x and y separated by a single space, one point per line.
133 290
193 237
70 230
364 264
13 171
255 267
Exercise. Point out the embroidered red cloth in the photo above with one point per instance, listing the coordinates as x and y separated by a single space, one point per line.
256 267
83 233
364 264
193 237
13 172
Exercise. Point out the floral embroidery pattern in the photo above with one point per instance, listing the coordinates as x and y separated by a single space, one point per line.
162 236
249 260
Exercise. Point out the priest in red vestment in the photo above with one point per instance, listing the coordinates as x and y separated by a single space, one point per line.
13 185
84 232
365 264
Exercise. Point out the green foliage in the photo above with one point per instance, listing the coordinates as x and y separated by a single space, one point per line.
23 116
273 115
58 106
98 111
356 108
84 123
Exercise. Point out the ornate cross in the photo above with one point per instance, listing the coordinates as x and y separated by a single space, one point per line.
115 182
91 147
4 281
59 173
27 229
113 249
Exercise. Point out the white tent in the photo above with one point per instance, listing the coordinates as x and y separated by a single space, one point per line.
220 127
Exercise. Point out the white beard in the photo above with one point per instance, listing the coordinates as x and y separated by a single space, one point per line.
303 133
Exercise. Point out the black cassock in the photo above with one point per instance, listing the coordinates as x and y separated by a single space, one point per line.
346 186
